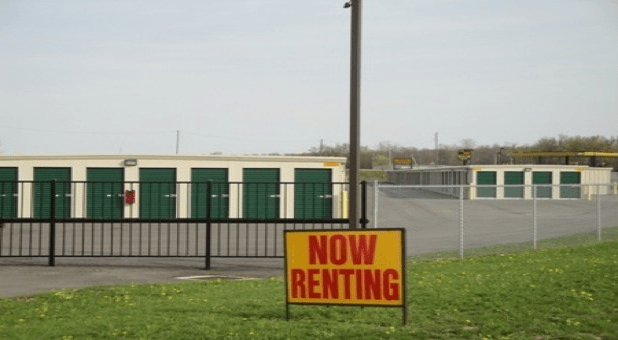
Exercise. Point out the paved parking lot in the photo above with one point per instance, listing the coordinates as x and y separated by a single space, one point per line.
23 276
432 223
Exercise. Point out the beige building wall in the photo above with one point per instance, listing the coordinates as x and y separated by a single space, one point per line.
597 176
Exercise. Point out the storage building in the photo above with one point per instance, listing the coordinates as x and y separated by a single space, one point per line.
171 186
509 181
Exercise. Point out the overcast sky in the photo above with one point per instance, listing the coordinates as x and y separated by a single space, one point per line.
262 76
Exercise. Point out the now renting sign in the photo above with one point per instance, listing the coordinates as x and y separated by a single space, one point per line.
345 267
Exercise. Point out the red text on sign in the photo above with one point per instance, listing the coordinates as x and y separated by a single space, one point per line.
338 249
348 284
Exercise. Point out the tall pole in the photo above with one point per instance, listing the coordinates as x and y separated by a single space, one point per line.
177 140
390 155
437 151
355 68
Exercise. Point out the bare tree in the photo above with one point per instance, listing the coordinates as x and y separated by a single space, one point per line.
467 143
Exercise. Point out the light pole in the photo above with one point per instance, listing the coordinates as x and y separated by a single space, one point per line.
355 67
500 156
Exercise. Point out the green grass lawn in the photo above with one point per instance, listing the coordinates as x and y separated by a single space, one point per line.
551 293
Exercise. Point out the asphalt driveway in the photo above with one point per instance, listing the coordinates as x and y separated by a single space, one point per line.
26 276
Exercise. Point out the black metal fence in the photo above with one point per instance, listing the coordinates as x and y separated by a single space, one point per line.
162 219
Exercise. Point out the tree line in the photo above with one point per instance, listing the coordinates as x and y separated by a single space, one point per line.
381 155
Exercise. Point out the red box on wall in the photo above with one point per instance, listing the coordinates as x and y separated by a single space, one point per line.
129 196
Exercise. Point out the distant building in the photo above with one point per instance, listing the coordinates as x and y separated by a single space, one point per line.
509 181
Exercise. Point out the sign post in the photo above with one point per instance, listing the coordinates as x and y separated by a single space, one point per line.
355 70
346 268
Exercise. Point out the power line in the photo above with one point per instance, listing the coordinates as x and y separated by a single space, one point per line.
81 131
132 132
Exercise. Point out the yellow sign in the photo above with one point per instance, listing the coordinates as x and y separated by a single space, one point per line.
331 164
402 161
347 267
464 154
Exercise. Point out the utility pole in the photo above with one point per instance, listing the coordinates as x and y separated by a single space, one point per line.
437 151
321 146
177 140
355 68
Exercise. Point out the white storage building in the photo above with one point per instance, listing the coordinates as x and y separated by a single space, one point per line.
120 176
509 181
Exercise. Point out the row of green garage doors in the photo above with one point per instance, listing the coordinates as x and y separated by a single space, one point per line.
538 177
158 192
41 189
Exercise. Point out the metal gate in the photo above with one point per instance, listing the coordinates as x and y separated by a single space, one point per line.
175 233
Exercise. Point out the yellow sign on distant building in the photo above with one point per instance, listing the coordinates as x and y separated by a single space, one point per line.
402 161
345 267
331 164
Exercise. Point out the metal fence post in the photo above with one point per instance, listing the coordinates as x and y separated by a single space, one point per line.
52 224
375 204
363 219
461 222
208 207
534 193
599 227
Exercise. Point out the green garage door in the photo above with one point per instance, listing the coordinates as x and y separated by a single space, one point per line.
42 190
486 178
570 178
219 193
104 192
157 193
542 177
261 193
8 192
514 178
313 193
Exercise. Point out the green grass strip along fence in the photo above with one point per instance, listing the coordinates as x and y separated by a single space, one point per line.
571 240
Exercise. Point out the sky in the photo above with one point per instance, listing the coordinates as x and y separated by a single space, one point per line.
273 76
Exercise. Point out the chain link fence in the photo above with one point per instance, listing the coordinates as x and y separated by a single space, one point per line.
442 222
